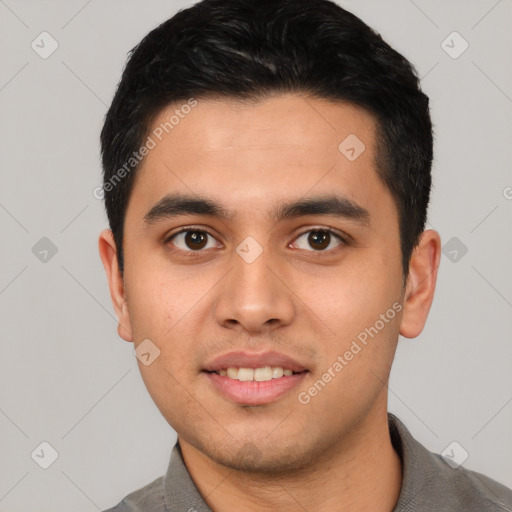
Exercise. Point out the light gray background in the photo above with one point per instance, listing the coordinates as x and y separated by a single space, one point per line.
65 376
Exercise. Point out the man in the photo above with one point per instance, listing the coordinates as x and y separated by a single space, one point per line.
267 176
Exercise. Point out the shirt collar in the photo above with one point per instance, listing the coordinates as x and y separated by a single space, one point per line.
180 492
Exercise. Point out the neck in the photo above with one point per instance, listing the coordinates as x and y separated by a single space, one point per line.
363 472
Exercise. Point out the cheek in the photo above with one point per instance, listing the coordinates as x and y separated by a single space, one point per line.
170 308
159 296
161 309
357 356
353 297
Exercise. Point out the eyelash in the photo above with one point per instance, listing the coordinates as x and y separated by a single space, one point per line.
331 232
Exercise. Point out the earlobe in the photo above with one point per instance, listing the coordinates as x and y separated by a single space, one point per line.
421 283
108 254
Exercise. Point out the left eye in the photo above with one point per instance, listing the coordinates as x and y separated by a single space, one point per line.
192 240
320 239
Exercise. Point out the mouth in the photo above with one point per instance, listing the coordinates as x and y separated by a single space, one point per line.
254 378
261 374
254 392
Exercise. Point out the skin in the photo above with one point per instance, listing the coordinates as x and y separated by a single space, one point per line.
335 452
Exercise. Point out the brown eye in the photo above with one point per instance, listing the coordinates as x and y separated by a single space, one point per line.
319 240
196 239
191 240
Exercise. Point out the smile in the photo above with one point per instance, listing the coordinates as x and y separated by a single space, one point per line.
262 374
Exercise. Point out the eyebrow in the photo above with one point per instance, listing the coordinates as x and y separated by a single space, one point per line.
174 205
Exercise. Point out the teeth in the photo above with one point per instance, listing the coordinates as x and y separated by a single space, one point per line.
232 373
245 374
277 372
263 374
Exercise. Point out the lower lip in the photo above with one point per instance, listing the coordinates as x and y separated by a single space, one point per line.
253 392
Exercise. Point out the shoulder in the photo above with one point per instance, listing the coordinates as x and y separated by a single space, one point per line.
431 483
149 497
468 490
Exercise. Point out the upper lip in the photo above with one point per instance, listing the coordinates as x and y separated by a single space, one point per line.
247 359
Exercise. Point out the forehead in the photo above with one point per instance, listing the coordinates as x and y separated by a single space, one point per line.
254 155
298 121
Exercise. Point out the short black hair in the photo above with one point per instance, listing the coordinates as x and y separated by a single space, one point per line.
251 49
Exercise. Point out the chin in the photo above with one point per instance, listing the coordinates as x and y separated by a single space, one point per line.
261 457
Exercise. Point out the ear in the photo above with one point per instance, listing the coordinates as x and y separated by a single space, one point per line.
421 283
108 255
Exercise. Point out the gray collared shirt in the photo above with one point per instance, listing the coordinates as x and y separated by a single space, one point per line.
429 484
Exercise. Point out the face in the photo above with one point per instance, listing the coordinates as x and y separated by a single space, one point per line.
314 287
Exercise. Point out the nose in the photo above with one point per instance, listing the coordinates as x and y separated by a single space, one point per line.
255 296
